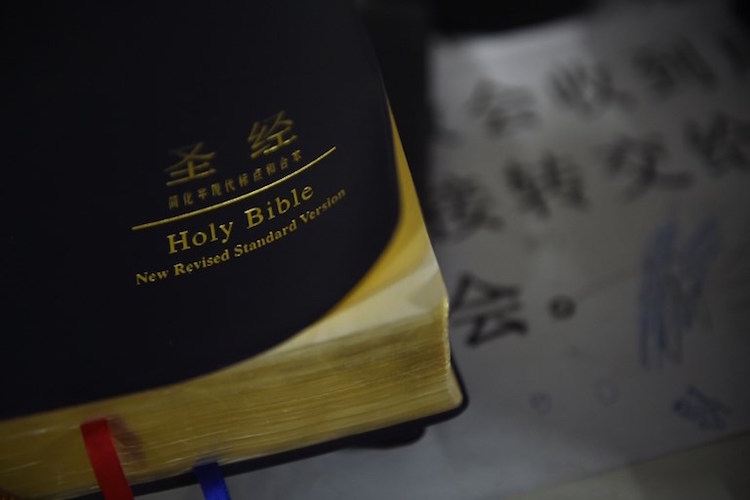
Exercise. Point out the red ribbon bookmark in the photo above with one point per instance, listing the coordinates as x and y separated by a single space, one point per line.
103 457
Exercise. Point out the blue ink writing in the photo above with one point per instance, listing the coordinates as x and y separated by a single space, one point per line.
671 293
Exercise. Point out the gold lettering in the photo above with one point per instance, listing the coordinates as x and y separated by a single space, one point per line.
199 239
269 209
254 217
243 180
174 202
226 230
310 215
282 205
182 241
192 165
269 136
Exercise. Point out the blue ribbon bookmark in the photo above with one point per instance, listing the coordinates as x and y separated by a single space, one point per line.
212 482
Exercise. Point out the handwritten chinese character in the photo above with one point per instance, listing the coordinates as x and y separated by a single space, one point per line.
638 159
587 89
562 307
674 274
272 134
557 177
502 108
723 143
192 165
458 207
667 68
489 309
708 413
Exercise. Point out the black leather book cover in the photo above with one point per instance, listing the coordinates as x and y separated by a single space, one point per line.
185 185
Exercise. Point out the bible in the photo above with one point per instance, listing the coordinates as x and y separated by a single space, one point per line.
216 244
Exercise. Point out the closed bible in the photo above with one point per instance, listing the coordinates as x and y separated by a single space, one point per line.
213 241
